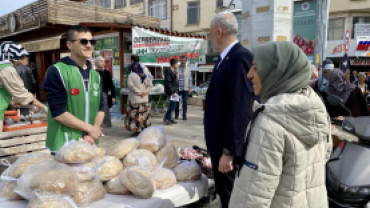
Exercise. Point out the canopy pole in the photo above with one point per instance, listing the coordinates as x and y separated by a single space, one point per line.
122 70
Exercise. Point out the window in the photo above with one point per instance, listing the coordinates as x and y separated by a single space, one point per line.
119 4
219 3
360 20
105 3
158 8
336 28
193 12
132 2
91 2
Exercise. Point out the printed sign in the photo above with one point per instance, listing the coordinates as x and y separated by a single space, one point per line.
363 46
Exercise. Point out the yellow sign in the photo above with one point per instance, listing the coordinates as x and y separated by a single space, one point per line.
317 58
367 54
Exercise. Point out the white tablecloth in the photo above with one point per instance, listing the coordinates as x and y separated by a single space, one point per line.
181 194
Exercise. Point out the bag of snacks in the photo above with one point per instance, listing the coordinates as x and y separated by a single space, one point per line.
115 186
76 152
188 171
123 148
110 168
132 159
152 138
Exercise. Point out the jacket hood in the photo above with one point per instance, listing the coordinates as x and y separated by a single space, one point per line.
67 60
303 114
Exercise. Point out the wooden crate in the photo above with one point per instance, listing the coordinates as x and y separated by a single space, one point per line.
17 143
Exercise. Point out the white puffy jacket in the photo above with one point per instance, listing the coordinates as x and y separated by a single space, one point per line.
285 161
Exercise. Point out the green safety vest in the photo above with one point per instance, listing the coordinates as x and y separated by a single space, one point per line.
83 105
5 96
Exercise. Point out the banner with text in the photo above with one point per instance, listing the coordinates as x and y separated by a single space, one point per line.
156 48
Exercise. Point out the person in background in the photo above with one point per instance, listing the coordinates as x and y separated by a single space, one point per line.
284 165
362 83
350 94
323 82
348 75
138 111
354 77
108 90
185 85
11 85
67 85
171 88
228 107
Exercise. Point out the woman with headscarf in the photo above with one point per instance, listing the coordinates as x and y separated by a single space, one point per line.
138 110
287 141
108 89
350 94
11 85
322 82
361 83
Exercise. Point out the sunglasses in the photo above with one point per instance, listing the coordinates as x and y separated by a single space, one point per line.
84 42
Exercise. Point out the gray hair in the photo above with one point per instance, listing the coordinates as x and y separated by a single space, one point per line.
227 22
362 74
97 59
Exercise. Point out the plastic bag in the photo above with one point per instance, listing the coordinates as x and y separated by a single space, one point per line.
168 151
152 138
188 171
100 151
115 186
123 148
110 169
48 176
76 152
23 162
89 192
139 181
132 159
164 177
51 201
7 190
158 88
189 154
87 171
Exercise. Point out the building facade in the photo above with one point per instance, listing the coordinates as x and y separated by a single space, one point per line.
131 6
343 17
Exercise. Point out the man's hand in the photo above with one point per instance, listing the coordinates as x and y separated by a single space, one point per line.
189 91
174 95
89 139
144 94
226 164
113 100
95 132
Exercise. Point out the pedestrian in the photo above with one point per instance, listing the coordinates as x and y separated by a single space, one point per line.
11 85
74 93
354 77
323 82
138 110
348 75
171 85
362 84
228 106
109 90
351 95
284 164
185 85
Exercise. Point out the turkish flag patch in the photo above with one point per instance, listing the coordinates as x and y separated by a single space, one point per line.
75 91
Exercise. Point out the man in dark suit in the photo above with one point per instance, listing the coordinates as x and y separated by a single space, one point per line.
229 101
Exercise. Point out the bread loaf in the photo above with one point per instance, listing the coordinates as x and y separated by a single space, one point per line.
164 178
188 171
115 186
123 148
152 139
88 192
52 202
138 181
169 151
100 151
19 166
110 169
85 171
7 189
148 159
76 152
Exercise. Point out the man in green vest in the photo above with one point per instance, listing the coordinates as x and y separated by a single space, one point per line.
11 85
74 93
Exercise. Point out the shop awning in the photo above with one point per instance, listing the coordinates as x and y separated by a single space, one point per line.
206 68
46 44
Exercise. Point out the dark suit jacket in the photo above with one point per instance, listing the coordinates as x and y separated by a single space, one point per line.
108 86
229 101
171 84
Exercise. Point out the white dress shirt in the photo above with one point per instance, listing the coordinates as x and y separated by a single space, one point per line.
226 51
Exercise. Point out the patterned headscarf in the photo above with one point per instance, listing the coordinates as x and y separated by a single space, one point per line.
339 86
13 50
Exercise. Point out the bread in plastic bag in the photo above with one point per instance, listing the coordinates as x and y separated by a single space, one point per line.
23 162
76 152
115 186
89 192
53 201
86 171
110 169
139 181
188 171
132 159
168 151
47 176
152 138
123 148
100 151
7 188
164 177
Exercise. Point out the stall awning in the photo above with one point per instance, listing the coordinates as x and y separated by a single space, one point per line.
46 44
206 68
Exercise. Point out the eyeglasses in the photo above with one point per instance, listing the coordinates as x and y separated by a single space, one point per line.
84 42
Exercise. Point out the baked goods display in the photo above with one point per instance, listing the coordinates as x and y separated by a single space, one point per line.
88 192
188 171
76 152
169 152
139 181
115 186
51 202
85 171
23 162
100 151
164 178
141 157
152 139
110 168
123 148
7 188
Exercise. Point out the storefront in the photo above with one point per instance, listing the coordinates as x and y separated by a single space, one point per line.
206 65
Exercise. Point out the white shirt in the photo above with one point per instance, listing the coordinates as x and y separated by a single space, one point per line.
226 51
